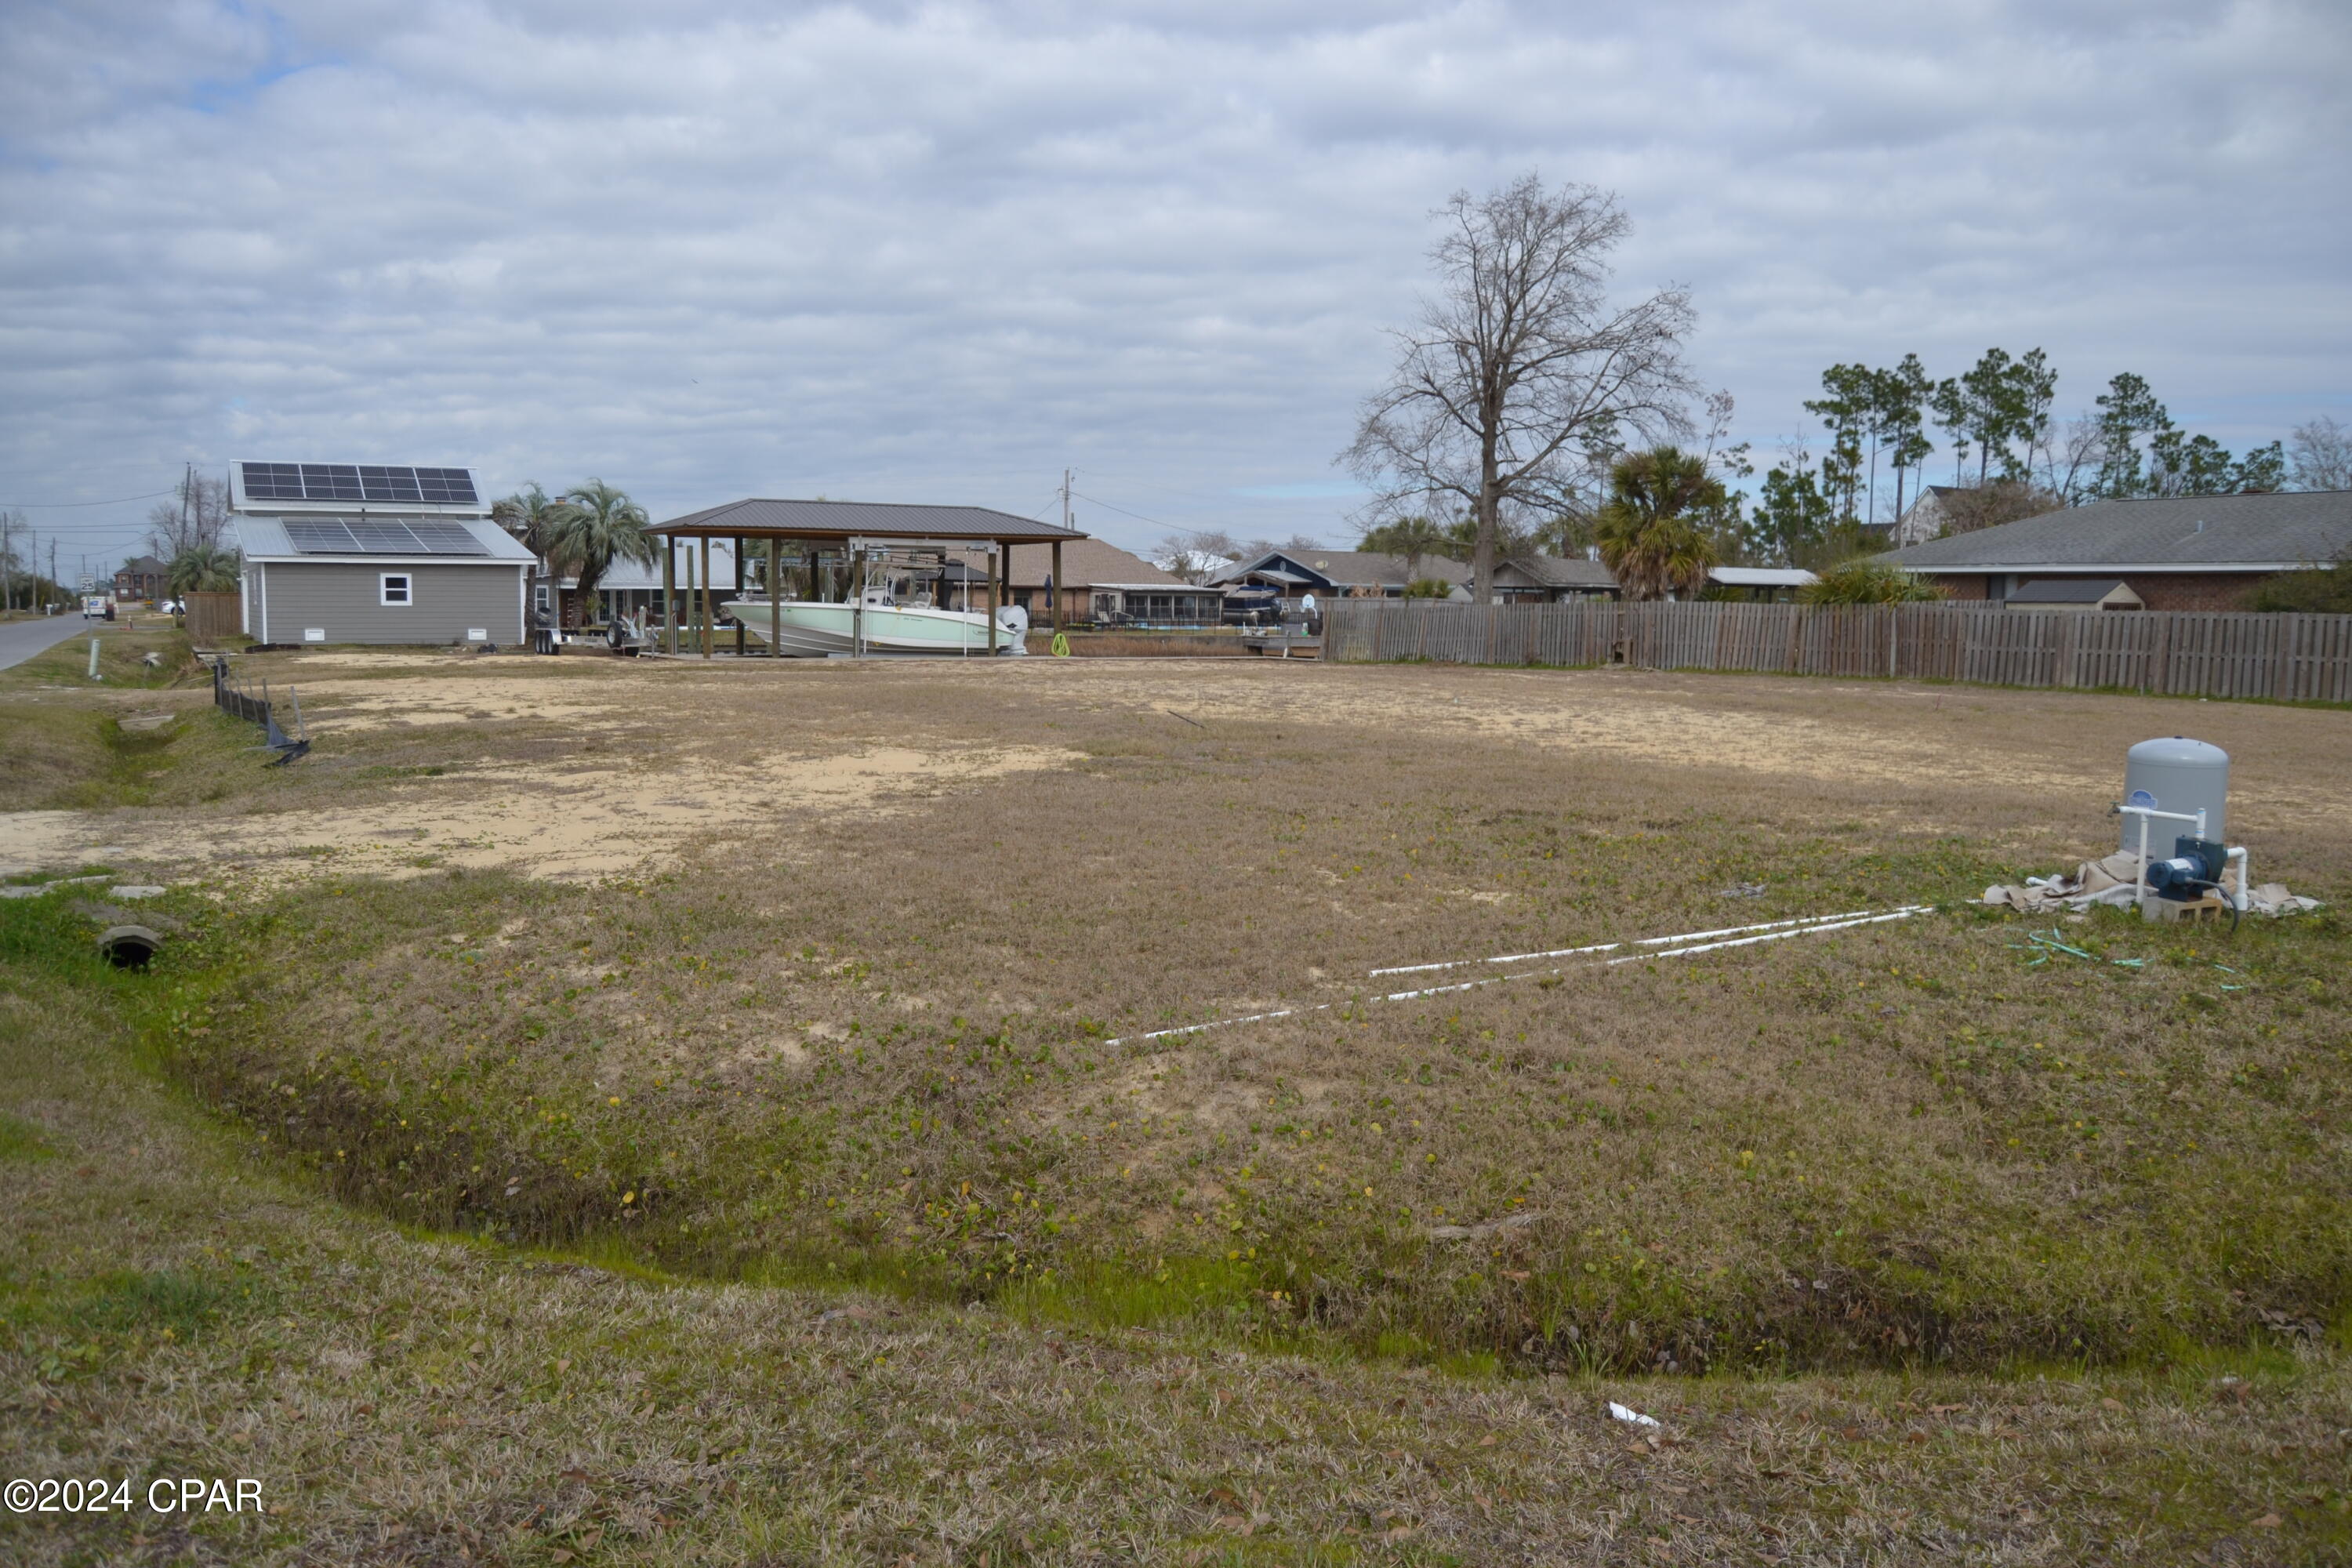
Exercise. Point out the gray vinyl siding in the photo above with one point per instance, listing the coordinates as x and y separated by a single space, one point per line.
343 598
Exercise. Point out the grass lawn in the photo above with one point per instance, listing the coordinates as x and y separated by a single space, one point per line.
646 1111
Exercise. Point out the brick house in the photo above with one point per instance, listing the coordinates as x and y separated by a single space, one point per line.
1104 584
141 577
2176 552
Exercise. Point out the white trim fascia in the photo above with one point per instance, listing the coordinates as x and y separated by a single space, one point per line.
2110 569
384 560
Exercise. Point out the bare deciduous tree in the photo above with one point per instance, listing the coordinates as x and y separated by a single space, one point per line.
1522 377
193 519
2320 456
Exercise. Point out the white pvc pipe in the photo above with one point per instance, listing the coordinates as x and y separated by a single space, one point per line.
1817 925
1902 914
2244 900
2146 812
1611 946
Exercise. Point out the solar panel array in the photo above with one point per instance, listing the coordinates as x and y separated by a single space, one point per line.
380 536
359 482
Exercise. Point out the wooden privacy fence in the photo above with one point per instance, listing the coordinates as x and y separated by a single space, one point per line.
2167 652
215 617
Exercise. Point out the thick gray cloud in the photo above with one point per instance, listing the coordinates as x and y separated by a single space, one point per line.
939 251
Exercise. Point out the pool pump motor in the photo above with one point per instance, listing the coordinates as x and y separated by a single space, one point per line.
2194 870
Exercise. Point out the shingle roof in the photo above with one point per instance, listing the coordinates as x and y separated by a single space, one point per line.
880 519
1564 572
1353 568
2179 533
1086 561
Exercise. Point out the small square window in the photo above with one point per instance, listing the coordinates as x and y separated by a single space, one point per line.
395 588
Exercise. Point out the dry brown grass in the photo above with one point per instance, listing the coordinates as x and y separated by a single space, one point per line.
177 1303
861 1034
868 1030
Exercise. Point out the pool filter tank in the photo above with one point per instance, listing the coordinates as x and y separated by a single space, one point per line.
2175 774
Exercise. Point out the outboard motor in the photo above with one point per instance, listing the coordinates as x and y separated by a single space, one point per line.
1016 622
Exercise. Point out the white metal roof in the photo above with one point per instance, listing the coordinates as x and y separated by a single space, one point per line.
1761 576
265 539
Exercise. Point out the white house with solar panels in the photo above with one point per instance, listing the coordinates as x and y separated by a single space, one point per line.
360 553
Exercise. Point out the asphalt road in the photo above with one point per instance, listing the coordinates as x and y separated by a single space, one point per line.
20 640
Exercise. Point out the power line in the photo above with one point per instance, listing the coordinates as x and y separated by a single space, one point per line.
55 505
1137 515
1195 532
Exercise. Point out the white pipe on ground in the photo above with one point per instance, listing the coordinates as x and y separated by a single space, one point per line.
1904 913
1818 924
1613 946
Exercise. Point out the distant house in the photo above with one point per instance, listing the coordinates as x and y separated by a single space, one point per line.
627 588
1925 518
1765 583
1339 574
141 577
2175 553
346 552
1552 579
1106 584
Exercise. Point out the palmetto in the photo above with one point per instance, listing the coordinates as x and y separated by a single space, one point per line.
531 514
1645 531
202 569
599 526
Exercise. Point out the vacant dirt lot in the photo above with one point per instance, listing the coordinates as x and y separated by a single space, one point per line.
585 767
815 975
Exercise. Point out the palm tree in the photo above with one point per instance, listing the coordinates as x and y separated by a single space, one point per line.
1862 580
201 569
600 525
531 514
1645 530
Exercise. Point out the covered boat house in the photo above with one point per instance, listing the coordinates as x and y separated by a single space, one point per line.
829 551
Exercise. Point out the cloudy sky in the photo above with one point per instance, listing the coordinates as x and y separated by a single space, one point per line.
938 252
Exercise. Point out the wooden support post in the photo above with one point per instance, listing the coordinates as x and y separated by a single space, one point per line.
669 592
1004 556
1054 598
775 598
738 595
707 629
857 603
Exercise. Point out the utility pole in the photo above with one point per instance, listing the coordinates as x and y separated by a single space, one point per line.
7 563
1065 497
53 566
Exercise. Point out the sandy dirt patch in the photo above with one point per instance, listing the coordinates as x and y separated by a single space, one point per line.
359 659
1887 734
335 707
543 821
